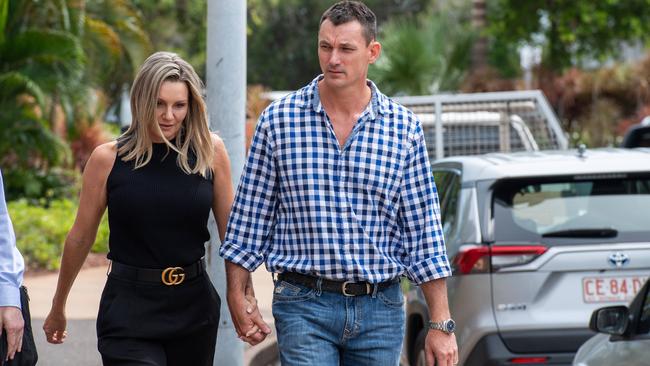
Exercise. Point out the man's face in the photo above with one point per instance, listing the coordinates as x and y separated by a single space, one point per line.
343 53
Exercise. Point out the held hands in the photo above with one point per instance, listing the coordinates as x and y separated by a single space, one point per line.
54 327
440 349
12 322
247 319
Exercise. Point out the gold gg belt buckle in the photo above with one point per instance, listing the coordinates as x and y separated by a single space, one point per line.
173 276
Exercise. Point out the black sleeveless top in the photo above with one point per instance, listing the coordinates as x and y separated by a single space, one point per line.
157 214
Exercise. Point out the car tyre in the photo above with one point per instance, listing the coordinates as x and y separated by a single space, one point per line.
418 351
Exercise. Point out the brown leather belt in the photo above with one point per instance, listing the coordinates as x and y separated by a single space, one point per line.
347 288
169 276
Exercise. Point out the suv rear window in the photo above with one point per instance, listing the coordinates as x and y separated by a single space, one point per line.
582 208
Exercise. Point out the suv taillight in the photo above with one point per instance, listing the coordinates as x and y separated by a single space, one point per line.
484 258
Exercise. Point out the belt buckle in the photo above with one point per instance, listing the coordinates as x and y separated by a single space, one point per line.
173 276
345 292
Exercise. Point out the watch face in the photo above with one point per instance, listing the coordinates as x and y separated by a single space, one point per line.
451 326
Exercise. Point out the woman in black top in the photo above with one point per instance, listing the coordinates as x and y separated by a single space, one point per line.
159 181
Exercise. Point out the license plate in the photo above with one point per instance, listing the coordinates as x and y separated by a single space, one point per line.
611 289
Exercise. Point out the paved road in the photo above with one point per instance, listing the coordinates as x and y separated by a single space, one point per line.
80 349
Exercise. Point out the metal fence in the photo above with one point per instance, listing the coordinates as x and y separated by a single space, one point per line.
478 123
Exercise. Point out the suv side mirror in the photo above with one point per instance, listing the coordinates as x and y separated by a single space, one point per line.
610 320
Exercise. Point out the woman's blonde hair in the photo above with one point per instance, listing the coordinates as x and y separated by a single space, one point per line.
194 135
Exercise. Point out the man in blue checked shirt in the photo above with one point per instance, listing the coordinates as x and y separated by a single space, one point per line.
11 277
338 199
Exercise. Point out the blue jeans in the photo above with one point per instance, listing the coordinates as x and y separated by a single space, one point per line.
317 328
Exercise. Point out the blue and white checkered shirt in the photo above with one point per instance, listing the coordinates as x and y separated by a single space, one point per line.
366 212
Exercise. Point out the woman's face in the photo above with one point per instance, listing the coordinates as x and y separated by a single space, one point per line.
171 109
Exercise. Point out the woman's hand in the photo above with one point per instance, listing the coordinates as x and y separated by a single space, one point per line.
54 327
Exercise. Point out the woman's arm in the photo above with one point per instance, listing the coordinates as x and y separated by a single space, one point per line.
92 204
222 186
242 303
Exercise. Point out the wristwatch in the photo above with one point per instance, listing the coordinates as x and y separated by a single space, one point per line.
447 326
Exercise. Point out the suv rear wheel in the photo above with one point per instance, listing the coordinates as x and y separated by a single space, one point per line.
418 350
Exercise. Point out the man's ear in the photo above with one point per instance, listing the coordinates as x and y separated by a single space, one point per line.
375 51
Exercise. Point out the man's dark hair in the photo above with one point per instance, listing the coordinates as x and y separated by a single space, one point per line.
348 11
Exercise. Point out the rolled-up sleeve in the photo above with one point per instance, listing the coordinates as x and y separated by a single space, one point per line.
252 217
419 216
11 262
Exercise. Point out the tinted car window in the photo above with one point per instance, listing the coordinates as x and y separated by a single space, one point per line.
553 211
442 179
448 190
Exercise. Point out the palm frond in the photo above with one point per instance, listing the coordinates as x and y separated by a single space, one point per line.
102 45
25 138
64 14
57 50
13 84
135 41
54 59
77 11
407 61
424 55
126 21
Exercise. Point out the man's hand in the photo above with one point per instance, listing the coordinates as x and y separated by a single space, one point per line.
247 319
54 327
12 323
440 349
245 315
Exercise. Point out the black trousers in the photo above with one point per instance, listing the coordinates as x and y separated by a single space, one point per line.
153 324
28 356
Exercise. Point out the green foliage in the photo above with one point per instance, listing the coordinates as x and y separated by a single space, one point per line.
424 55
505 58
40 186
41 231
27 146
35 63
570 30
4 11
117 38
178 26
54 58
54 55
407 61
282 37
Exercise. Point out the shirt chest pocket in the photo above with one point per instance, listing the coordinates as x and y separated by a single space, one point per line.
375 169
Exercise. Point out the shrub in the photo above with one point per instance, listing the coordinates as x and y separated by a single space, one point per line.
39 185
41 231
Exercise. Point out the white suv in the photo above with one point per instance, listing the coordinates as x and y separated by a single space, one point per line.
538 241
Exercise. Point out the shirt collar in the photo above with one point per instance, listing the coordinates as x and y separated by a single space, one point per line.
308 97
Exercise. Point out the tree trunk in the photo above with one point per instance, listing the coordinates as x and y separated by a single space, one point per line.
479 21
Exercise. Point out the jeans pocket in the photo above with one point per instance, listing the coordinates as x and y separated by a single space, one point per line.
392 296
290 292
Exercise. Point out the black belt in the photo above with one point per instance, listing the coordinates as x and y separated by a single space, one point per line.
347 288
168 276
